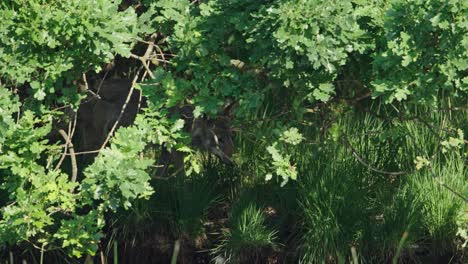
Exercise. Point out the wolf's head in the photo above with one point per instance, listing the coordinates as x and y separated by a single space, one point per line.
214 136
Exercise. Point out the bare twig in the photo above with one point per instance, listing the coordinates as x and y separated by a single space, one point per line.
143 78
86 152
75 117
174 174
103 258
140 95
441 183
86 87
363 162
94 94
85 80
143 61
162 54
65 149
145 58
434 176
175 252
451 109
140 98
71 132
102 82
432 129
129 96
72 154
61 107
163 60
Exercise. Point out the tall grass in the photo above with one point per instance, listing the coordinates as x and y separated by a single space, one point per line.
181 204
438 206
175 215
340 209
247 236
336 196
344 203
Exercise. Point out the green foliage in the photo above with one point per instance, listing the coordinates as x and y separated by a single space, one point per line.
81 233
117 186
301 73
202 72
43 204
8 105
38 195
45 46
281 161
310 46
224 49
425 53
43 41
453 142
400 214
298 42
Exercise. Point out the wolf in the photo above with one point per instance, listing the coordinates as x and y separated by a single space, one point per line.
99 112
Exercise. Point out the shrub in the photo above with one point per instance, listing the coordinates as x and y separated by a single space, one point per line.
45 41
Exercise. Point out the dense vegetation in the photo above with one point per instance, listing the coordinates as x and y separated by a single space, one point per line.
349 122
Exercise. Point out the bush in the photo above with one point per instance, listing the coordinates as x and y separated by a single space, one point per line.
350 110
45 41
45 46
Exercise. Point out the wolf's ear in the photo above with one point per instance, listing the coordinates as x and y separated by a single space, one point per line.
228 108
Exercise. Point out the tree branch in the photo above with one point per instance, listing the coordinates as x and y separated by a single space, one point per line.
129 96
72 154
71 132
145 58
365 163
149 50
